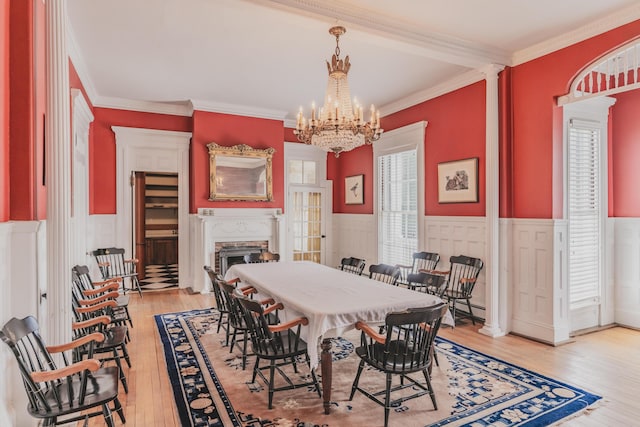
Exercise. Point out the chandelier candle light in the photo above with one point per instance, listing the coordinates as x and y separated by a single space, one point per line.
339 126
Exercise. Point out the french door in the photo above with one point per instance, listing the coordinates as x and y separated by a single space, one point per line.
307 223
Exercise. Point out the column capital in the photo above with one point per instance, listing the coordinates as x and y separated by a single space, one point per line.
491 70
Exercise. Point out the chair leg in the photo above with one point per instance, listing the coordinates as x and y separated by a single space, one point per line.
108 416
125 354
272 371
126 310
387 399
119 410
136 283
233 340
123 379
354 386
431 392
453 311
256 366
473 320
244 349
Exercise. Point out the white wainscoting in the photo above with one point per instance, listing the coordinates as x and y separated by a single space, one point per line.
627 271
7 363
354 236
101 234
539 283
22 279
458 235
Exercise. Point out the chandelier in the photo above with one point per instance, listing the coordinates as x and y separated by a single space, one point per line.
339 126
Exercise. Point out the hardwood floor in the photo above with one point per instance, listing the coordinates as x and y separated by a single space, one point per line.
604 362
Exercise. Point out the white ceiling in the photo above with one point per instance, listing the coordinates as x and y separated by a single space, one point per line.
267 57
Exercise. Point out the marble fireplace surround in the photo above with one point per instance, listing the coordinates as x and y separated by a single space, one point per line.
233 226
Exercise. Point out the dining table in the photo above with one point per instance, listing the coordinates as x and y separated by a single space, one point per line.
332 300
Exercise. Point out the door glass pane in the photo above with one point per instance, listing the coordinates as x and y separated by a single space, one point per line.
307 225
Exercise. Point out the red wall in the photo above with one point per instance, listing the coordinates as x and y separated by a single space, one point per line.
537 177
455 130
102 150
228 130
625 146
21 151
4 110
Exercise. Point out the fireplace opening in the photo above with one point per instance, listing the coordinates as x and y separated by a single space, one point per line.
230 255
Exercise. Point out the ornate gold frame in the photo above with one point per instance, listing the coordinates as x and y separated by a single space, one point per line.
247 158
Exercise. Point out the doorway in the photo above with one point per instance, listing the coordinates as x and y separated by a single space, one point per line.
156 234
307 224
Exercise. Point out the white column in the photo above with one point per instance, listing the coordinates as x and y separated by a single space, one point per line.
58 179
492 263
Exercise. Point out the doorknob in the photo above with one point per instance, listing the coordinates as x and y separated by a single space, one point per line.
323 236
43 296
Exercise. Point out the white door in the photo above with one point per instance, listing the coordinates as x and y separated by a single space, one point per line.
590 296
307 223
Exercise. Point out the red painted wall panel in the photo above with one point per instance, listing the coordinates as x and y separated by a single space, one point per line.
4 110
456 130
21 114
228 130
537 188
625 147
102 150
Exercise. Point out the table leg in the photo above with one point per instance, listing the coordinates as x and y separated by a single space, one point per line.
326 368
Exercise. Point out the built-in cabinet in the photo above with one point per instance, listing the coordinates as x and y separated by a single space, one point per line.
161 218
156 219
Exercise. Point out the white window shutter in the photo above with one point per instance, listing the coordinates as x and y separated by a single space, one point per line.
398 206
584 210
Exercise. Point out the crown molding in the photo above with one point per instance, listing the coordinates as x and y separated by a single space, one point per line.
80 66
592 29
450 85
172 108
290 123
239 110
413 37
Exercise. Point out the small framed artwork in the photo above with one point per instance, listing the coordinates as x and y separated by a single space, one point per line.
458 181
354 190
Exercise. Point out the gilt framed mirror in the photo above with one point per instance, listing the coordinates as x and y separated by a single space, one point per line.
240 173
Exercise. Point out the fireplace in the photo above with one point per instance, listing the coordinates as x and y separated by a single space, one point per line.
235 229
230 253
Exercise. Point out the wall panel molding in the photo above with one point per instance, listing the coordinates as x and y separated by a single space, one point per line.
626 267
354 235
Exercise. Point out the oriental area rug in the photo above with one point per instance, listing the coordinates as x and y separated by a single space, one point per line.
471 388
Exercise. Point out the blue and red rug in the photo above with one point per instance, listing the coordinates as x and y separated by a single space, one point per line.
472 389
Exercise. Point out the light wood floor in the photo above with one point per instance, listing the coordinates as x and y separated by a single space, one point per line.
605 363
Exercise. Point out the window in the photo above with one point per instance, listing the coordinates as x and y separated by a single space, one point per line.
398 207
399 169
302 172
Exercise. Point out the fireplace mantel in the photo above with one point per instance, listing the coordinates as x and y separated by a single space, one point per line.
233 225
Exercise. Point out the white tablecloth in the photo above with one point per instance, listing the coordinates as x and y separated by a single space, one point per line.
331 299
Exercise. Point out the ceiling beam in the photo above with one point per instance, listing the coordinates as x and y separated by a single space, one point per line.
405 35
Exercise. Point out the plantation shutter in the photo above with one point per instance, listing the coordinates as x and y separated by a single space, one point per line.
584 210
398 207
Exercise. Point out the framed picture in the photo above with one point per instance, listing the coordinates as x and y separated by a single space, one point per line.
458 181
354 190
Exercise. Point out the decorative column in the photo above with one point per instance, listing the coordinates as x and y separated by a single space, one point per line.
58 179
492 216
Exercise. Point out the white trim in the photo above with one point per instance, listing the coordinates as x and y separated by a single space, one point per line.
239 110
136 146
171 108
409 137
79 64
407 36
592 29
596 109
